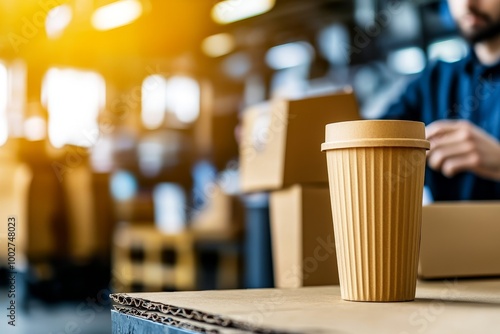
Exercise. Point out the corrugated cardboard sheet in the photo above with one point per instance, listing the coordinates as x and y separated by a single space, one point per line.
469 306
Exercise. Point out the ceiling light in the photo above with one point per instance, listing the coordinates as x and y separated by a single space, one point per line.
116 14
228 11
57 20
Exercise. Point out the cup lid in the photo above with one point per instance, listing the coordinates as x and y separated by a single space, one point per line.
375 133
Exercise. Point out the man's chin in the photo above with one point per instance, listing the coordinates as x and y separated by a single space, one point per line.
481 34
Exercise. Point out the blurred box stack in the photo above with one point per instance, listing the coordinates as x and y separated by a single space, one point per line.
64 218
14 191
280 152
218 231
145 259
203 253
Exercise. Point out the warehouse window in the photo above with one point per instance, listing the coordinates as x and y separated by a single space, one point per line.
449 50
183 98
407 61
290 55
170 207
154 101
73 99
124 186
175 101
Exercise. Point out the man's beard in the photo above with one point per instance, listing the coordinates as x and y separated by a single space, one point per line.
491 30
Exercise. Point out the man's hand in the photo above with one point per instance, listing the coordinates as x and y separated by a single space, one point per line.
458 146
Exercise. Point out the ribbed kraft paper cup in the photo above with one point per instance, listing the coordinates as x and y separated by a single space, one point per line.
376 176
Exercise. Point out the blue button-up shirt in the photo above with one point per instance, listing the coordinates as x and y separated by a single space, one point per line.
462 90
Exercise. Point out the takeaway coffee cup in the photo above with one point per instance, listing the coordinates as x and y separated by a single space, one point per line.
376 176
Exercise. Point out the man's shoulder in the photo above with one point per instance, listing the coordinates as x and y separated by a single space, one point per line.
440 68
438 74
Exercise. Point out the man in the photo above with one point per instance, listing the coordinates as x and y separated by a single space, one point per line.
460 104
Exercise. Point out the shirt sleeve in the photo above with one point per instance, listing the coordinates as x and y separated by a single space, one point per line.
409 105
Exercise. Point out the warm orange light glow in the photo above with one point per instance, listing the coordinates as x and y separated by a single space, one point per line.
228 11
116 14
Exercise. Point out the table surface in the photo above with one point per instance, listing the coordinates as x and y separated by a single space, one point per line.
451 306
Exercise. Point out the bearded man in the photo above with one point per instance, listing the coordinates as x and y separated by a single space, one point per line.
460 105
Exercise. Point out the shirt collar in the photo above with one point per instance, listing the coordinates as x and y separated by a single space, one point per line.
473 65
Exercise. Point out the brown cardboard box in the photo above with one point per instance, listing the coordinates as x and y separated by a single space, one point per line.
302 237
460 239
280 142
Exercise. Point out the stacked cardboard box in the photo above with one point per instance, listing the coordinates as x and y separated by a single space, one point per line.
280 152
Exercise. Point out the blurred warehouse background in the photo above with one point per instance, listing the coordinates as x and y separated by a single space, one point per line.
119 128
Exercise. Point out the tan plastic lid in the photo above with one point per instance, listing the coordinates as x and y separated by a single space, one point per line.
375 133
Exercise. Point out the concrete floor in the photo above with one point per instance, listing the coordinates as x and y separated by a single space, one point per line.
63 318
